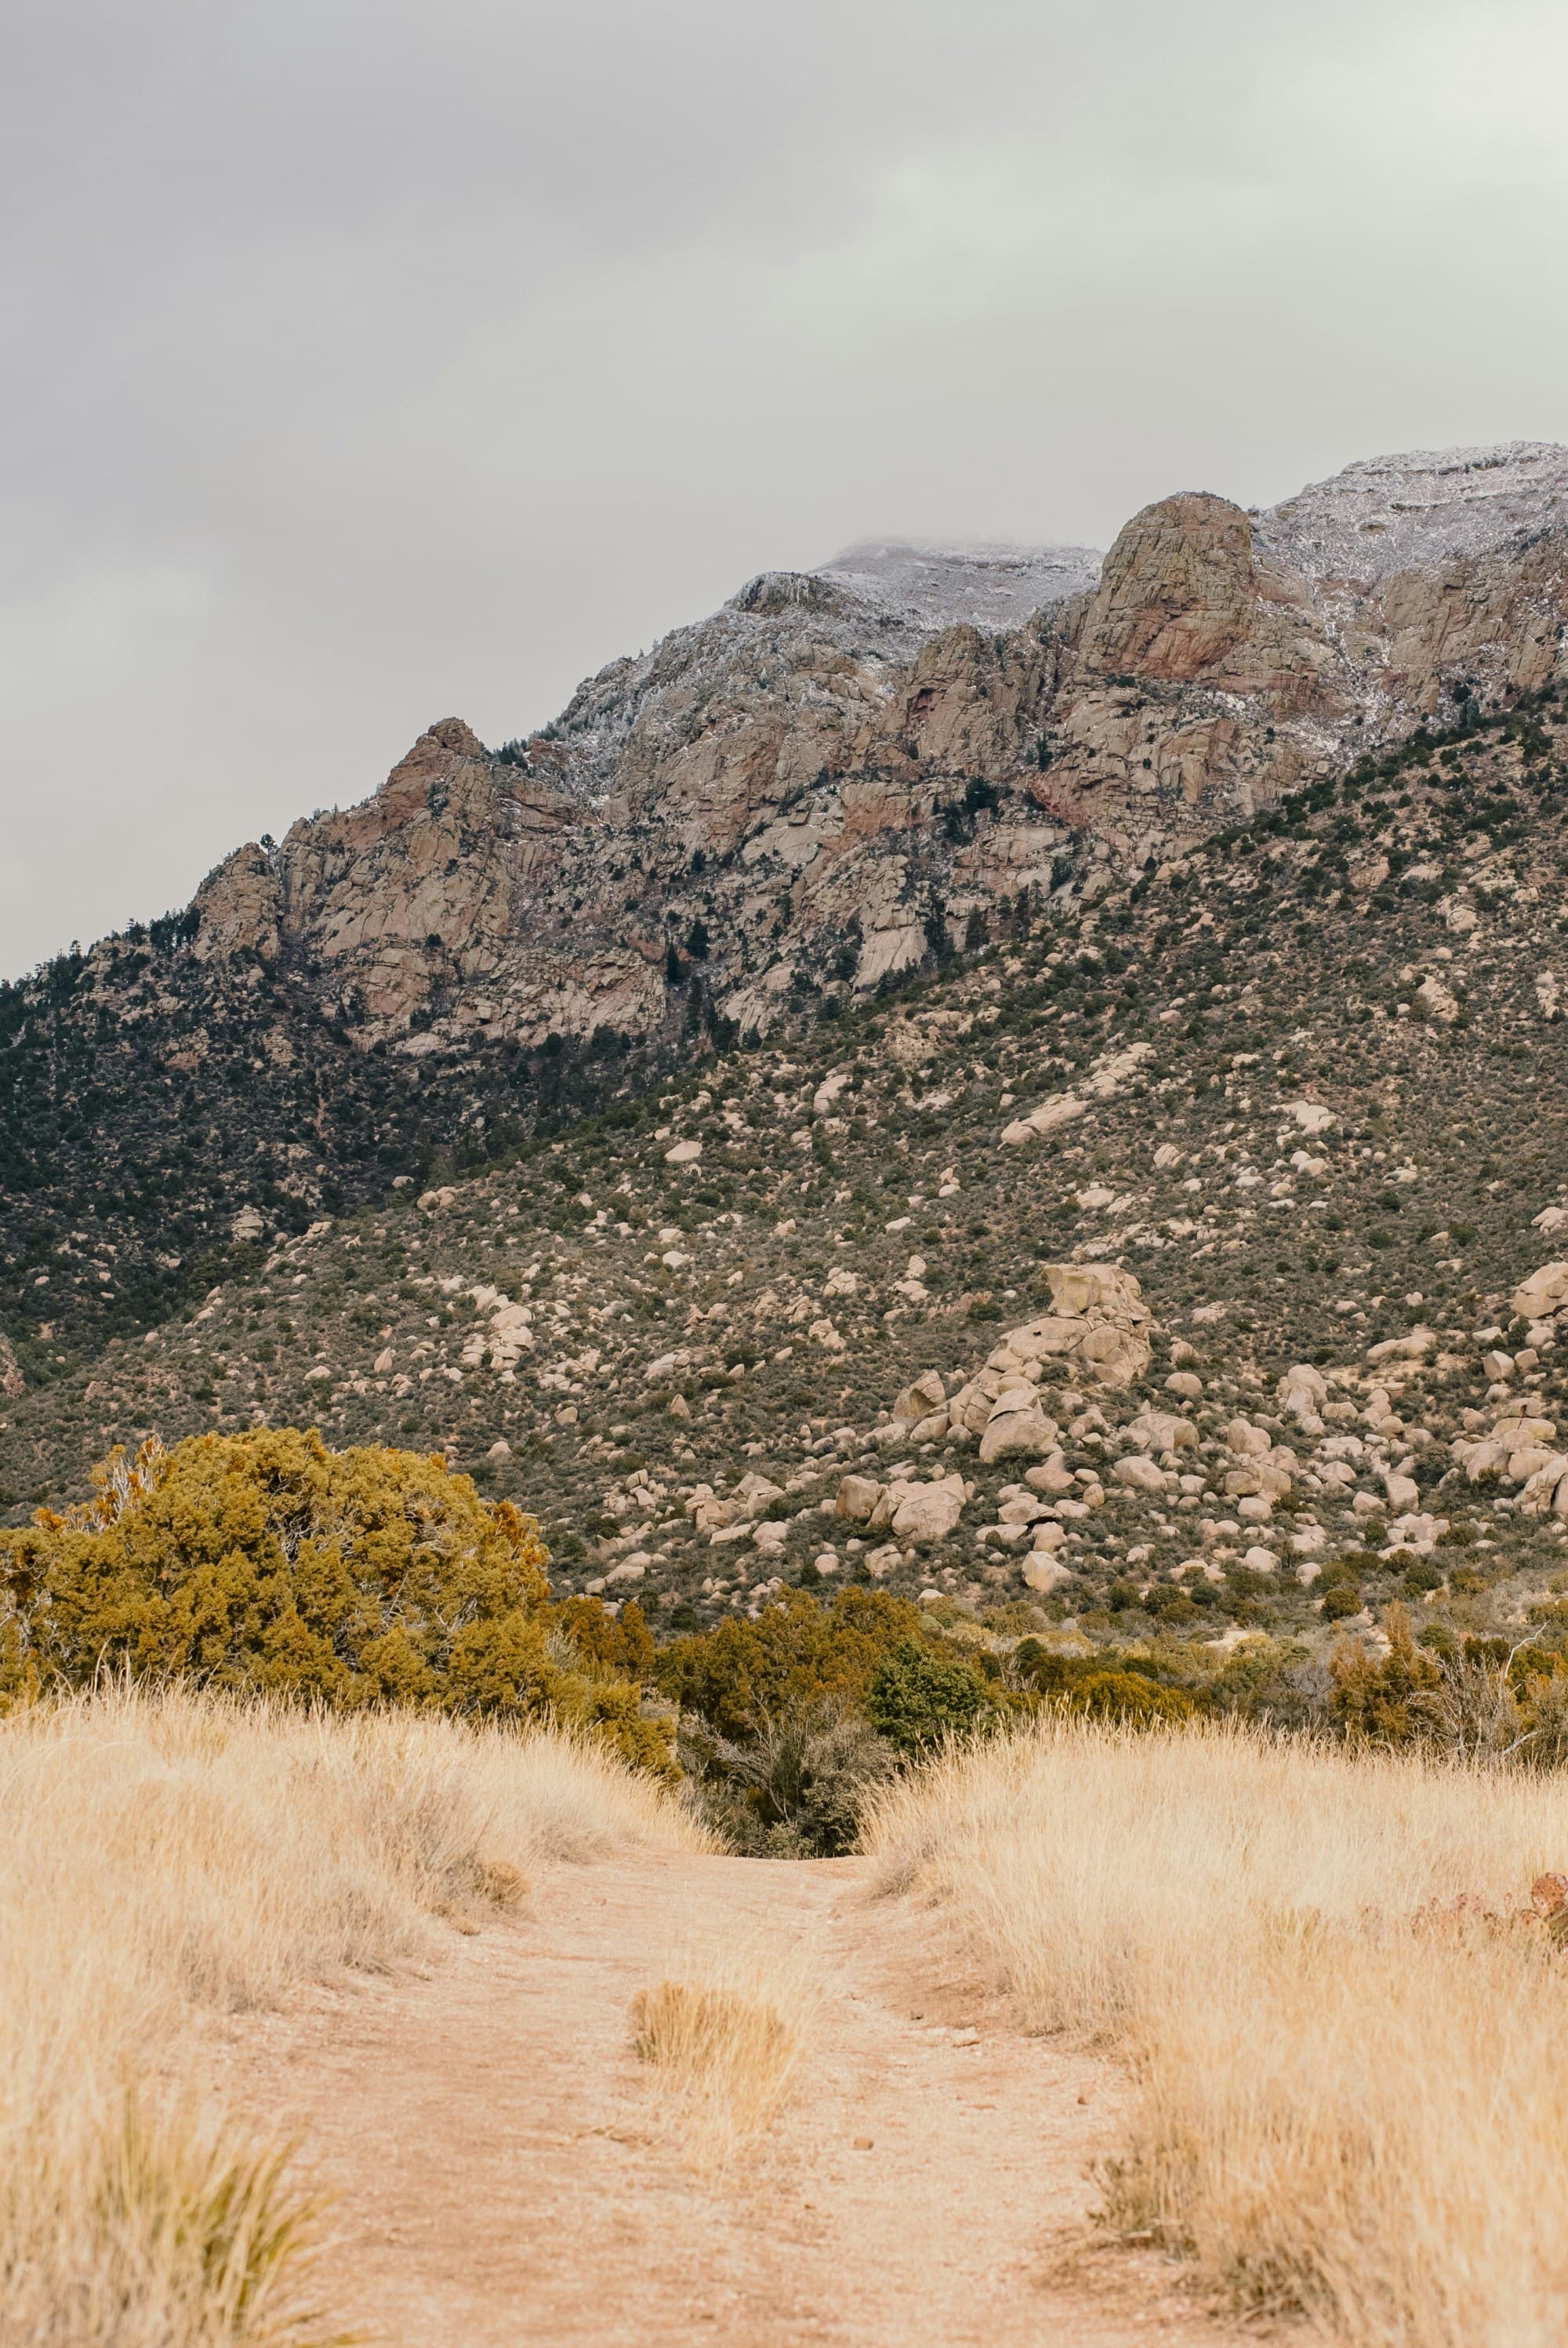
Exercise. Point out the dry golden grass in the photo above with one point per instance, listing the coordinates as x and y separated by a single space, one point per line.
723 2043
168 1857
1348 2087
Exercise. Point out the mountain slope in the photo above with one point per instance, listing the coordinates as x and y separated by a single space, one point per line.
1303 1085
826 786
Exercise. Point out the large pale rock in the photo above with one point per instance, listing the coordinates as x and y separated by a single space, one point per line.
928 1512
1302 1391
1261 1478
1419 1531
1139 1473
1099 1323
1044 1572
931 1429
1413 1348
1546 1493
1022 1428
1246 1440
1052 1475
1161 1430
1542 1293
857 1497
1048 1118
1493 1454
921 1398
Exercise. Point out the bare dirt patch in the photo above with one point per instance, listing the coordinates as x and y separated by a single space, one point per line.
500 2171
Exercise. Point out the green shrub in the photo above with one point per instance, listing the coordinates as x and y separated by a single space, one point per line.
1382 1703
1129 1697
794 1790
796 1655
917 1696
265 1561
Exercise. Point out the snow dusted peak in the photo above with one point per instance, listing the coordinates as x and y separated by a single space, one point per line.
993 586
1402 514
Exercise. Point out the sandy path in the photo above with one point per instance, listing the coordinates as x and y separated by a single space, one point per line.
499 2174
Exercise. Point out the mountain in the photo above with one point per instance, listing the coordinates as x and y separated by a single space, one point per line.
1181 1262
832 784
839 758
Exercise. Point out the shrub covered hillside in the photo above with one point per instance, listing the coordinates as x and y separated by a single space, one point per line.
1169 1270
265 1563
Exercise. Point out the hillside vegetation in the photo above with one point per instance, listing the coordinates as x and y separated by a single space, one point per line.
833 781
265 1562
1299 1085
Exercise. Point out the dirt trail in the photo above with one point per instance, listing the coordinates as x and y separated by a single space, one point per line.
500 2176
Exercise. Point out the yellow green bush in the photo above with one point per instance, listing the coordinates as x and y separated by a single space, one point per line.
266 1561
793 1656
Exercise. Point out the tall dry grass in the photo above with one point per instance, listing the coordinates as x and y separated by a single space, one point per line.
1344 2024
168 1857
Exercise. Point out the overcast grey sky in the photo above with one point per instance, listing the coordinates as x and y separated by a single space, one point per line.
367 361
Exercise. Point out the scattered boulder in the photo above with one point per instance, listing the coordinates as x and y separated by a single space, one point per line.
1139 1473
922 1398
1017 1424
1539 1296
928 1512
858 1499
1161 1430
684 1153
1044 1572
1302 1391
1052 1475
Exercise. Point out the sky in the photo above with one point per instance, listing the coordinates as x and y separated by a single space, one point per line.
369 362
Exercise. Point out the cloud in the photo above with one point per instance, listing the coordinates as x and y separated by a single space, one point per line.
374 362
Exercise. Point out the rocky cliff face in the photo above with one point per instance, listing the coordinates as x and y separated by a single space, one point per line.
825 782
839 764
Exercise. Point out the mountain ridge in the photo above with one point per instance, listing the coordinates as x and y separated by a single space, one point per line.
825 787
